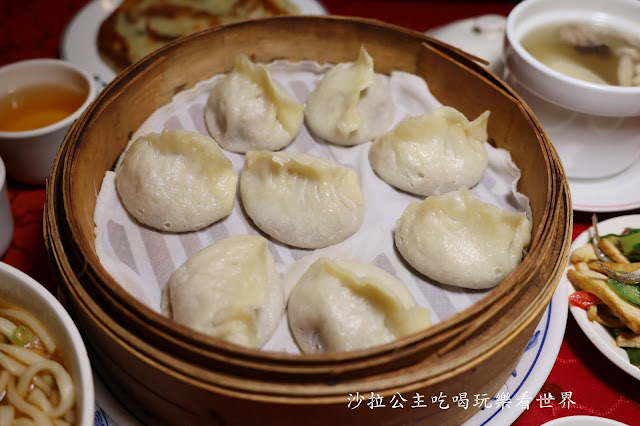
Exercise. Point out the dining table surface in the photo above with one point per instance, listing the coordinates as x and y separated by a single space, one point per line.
34 29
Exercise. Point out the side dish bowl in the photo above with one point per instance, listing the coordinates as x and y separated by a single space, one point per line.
20 290
601 336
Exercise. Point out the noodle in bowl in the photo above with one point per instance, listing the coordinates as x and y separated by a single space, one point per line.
45 375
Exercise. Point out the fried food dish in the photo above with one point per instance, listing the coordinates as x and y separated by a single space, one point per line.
606 275
138 27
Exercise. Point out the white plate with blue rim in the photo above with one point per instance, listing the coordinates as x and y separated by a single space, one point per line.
79 45
522 387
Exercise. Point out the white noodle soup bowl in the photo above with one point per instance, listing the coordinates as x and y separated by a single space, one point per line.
20 290
28 154
594 127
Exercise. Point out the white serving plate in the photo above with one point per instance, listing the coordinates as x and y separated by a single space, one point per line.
79 45
583 421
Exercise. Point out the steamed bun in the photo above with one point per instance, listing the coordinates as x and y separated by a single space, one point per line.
176 181
432 154
351 104
299 199
344 305
458 239
230 290
247 109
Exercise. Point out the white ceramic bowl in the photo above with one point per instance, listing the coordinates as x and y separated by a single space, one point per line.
565 91
18 289
595 127
6 220
28 155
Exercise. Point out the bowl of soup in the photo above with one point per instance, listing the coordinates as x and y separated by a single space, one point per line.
46 375
577 64
576 53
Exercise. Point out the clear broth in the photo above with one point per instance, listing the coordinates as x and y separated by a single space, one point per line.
36 106
597 58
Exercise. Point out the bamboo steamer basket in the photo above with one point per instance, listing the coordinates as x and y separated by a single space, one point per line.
165 373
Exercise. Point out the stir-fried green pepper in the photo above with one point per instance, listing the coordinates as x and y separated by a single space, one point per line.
630 243
629 292
634 355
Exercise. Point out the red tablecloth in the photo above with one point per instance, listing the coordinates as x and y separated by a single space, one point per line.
33 29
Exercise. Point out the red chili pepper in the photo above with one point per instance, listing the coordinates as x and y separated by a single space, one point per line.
584 299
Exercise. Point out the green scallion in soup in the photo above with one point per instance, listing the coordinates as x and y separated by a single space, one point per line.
35 387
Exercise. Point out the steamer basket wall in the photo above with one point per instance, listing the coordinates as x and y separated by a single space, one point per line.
167 374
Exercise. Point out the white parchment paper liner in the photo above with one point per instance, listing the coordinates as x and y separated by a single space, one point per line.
142 259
